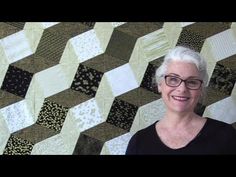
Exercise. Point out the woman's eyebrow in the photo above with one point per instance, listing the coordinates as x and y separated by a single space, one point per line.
174 74
190 77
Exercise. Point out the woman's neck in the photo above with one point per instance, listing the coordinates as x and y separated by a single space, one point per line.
175 120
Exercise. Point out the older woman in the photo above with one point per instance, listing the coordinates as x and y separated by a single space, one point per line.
181 80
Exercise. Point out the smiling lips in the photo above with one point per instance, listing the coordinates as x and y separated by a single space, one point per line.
180 98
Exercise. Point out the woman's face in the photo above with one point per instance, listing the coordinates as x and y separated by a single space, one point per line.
180 98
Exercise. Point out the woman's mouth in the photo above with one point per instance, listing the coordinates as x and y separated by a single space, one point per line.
180 98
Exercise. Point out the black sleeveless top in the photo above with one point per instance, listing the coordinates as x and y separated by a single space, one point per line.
215 137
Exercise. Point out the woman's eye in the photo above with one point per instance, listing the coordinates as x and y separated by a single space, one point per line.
192 82
174 79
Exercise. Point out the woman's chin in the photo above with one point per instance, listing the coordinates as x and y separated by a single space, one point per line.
181 108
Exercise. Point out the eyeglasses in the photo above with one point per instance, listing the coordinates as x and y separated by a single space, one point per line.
192 84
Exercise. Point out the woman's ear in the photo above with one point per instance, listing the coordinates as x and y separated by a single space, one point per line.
159 87
202 96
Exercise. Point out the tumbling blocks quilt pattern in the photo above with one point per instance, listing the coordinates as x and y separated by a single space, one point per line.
85 87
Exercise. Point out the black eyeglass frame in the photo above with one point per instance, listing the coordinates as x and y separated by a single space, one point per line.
183 80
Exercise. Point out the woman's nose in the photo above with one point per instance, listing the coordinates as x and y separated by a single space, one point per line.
182 86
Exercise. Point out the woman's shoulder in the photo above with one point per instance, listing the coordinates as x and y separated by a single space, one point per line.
141 139
147 131
218 125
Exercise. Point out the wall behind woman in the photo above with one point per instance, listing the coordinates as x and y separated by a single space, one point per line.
86 87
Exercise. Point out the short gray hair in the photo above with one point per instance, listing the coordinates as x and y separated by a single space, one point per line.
180 53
